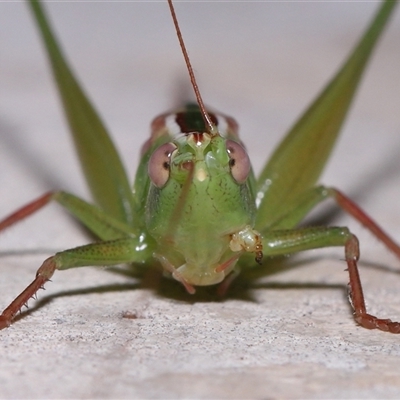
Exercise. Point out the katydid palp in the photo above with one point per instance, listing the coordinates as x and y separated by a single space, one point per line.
193 166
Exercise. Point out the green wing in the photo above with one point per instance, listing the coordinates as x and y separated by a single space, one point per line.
101 164
298 161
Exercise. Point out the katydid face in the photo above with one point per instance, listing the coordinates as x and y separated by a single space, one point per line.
196 175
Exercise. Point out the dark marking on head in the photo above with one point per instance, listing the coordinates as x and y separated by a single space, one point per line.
191 120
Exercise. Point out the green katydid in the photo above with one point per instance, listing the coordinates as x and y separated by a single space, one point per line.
194 165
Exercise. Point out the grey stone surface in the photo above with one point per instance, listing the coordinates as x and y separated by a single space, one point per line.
286 335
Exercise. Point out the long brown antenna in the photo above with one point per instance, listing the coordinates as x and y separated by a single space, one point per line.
212 129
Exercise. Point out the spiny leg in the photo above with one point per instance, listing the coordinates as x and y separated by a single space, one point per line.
43 274
113 252
356 295
282 242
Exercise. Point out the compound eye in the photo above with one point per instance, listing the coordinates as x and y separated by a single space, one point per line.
159 164
239 161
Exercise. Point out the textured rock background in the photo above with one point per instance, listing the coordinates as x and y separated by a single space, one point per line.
288 334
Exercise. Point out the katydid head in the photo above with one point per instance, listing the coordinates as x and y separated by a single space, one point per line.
199 198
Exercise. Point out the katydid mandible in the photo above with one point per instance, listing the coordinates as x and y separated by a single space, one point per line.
194 165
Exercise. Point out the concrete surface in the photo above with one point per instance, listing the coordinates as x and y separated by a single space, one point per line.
287 335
